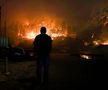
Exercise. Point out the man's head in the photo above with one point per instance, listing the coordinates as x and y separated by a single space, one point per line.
43 30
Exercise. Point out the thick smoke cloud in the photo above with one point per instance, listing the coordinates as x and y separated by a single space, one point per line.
75 11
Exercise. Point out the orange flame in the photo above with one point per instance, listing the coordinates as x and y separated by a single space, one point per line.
55 28
54 31
31 35
99 42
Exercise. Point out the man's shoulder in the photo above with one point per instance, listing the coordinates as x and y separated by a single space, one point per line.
38 36
49 37
43 36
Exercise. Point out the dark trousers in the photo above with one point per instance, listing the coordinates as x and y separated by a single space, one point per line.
42 69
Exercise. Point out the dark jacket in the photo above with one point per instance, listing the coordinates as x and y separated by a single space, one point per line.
42 45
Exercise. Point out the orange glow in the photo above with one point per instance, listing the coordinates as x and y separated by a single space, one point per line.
85 56
96 43
105 43
54 28
31 35
27 23
99 42
86 43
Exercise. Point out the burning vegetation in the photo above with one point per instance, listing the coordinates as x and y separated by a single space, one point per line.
96 32
56 28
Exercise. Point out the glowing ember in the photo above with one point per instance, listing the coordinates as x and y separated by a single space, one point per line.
105 43
96 43
86 43
58 35
99 42
85 56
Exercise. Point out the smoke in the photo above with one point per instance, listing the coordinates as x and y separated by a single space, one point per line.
97 27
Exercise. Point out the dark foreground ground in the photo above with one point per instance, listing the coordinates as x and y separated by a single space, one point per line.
66 72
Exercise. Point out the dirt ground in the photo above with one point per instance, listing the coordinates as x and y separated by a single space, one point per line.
64 73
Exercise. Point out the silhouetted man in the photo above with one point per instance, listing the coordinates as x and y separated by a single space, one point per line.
42 48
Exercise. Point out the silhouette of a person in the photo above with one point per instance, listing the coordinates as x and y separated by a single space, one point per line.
42 49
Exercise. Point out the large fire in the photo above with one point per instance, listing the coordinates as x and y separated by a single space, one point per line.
54 28
32 35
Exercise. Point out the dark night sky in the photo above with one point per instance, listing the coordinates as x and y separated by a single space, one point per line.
72 10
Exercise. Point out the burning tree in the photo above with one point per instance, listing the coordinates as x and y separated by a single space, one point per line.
96 32
101 18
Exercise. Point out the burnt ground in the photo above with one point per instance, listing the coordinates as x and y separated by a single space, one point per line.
66 72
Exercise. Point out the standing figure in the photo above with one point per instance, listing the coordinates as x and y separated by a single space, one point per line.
42 48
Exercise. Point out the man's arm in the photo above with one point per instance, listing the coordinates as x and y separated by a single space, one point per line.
35 46
50 41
